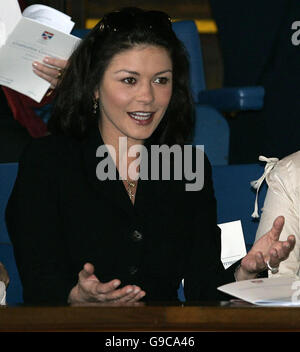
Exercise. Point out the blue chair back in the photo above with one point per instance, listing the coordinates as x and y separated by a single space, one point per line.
8 173
211 128
236 198
187 32
212 131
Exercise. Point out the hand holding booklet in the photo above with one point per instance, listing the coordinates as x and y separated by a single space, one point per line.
45 32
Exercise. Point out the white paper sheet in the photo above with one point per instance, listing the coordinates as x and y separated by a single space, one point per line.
10 15
271 292
232 243
49 17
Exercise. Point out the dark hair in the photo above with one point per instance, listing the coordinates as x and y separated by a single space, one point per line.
118 31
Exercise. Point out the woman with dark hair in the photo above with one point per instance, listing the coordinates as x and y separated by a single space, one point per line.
73 114
135 236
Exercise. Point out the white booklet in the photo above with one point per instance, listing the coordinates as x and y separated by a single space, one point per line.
24 40
272 292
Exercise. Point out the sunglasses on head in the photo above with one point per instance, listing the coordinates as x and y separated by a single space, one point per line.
127 20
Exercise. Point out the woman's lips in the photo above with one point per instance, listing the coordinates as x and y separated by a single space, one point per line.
141 117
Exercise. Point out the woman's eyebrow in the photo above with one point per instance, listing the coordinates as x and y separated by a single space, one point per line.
127 71
137 74
162 72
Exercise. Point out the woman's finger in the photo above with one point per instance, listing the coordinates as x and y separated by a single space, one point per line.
87 272
274 260
136 297
260 262
133 296
122 294
107 287
276 229
56 62
51 75
49 71
281 251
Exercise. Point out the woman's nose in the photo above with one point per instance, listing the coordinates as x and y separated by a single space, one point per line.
145 93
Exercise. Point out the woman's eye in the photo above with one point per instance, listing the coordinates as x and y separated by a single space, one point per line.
129 80
161 80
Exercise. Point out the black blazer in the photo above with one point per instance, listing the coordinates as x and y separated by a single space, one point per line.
61 216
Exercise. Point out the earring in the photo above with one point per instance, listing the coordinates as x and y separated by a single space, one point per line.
95 107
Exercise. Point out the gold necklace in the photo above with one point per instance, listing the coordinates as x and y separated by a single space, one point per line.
131 188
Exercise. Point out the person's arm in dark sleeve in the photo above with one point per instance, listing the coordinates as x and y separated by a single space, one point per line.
34 225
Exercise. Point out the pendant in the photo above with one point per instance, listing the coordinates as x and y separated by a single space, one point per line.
130 188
